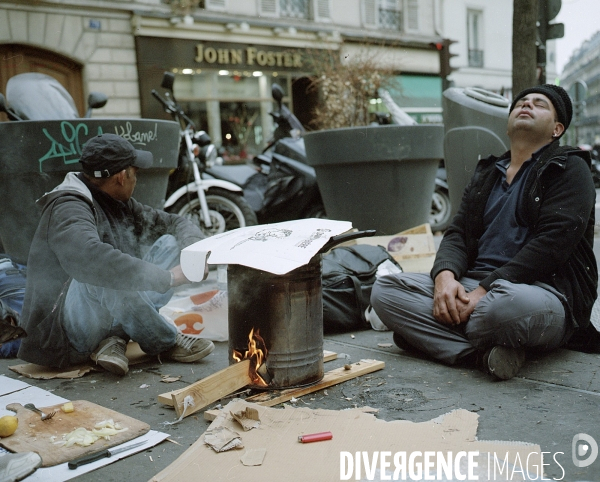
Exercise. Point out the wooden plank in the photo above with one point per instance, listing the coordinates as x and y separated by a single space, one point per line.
333 377
166 398
212 388
329 355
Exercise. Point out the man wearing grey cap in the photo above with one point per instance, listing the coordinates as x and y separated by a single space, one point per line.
515 271
100 266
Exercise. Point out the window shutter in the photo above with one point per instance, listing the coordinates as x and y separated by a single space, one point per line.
217 5
412 15
268 8
369 13
322 10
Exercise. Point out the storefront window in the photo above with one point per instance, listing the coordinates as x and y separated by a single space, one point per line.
232 106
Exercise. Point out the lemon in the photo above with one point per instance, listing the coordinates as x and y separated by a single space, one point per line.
8 425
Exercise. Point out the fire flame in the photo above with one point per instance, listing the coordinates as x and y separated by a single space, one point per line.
257 354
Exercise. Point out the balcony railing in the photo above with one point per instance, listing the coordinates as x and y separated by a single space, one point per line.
475 58
390 19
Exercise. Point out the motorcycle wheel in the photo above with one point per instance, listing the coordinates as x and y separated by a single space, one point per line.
227 211
441 209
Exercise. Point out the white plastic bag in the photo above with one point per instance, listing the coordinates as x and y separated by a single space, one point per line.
203 314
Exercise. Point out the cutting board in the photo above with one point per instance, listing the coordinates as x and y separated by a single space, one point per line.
33 435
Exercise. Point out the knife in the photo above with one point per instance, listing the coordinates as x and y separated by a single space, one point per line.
104 453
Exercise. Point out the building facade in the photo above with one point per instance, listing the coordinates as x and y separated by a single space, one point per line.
226 54
583 67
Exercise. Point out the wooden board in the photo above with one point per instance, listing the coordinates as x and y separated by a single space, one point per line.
211 388
33 435
333 377
228 383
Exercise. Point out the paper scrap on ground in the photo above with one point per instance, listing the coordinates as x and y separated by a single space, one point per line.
355 431
276 248
253 457
221 439
247 418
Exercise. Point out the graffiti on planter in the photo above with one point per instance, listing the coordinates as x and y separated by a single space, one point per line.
75 135
137 137
69 147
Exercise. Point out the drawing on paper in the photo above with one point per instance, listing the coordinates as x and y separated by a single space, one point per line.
265 234
319 233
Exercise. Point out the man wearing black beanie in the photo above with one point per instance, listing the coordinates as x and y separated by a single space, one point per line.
515 271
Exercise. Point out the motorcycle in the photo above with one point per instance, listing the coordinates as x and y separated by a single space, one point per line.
280 186
215 205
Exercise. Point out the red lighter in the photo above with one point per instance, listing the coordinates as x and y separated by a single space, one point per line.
315 437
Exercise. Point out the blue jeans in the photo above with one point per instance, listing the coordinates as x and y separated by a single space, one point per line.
93 313
514 315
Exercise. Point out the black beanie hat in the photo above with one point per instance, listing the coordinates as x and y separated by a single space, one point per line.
559 98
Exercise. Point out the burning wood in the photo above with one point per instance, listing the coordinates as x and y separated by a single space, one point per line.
257 354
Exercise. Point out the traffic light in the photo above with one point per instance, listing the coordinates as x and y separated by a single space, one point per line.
443 48
547 11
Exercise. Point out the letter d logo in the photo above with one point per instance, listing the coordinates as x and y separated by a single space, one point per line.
580 450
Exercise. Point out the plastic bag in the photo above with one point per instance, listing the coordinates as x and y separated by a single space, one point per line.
203 314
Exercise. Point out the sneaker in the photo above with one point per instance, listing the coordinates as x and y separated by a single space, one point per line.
189 349
17 466
503 362
110 355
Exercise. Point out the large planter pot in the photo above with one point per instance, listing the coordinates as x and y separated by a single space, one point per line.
377 177
35 156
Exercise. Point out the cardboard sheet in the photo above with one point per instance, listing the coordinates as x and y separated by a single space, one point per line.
31 370
353 431
276 248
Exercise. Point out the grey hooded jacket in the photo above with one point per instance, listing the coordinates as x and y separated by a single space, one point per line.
77 239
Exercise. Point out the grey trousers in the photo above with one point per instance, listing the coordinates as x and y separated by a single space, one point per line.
93 313
515 315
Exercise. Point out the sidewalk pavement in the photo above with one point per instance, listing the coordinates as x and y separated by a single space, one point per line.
554 398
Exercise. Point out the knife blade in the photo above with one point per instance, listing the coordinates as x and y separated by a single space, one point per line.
102 454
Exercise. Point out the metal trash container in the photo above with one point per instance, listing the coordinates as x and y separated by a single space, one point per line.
474 127
38 155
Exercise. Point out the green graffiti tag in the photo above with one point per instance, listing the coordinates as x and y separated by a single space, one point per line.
137 137
69 149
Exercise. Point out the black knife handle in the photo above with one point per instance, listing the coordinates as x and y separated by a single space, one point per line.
88 459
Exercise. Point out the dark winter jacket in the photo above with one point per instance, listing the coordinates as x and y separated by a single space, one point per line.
75 239
559 199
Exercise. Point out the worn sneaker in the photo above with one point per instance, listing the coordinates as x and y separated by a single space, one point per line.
17 466
110 355
503 362
189 349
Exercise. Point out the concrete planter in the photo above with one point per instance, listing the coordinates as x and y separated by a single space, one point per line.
36 155
377 177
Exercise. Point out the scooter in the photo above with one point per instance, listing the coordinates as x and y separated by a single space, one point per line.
215 205
36 96
280 186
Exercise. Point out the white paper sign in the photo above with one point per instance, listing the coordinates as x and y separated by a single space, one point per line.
276 248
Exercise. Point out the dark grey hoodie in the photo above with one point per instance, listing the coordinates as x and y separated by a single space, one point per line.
77 239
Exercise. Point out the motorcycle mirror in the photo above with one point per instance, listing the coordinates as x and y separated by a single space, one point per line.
202 138
168 81
96 100
277 93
